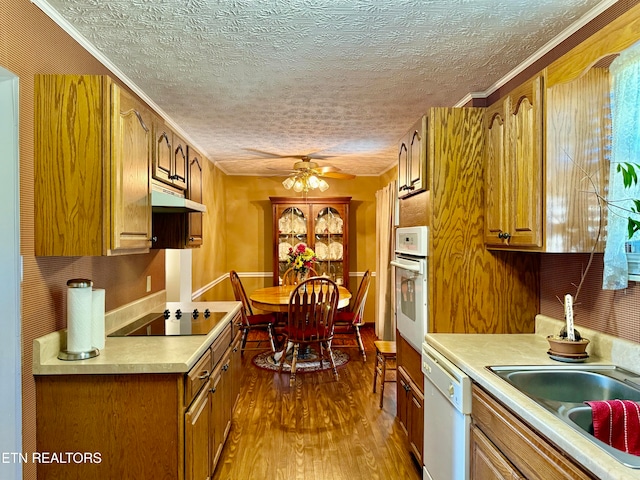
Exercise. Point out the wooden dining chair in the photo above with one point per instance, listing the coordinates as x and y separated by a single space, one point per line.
348 322
251 321
310 316
290 277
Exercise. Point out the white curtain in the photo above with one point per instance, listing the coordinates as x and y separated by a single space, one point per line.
625 147
385 221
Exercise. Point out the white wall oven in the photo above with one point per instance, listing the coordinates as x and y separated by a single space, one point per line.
410 271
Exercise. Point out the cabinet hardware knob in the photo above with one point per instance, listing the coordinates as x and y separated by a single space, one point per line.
191 239
204 375
406 388
154 238
213 390
504 235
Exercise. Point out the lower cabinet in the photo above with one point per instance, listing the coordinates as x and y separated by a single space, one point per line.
411 412
503 446
134 426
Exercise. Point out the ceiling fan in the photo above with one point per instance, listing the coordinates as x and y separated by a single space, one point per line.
307 174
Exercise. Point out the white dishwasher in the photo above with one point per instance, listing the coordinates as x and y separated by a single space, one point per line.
447 418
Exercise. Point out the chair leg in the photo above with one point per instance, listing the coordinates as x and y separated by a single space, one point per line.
383 377
271 342
294 359
284 355
243 341
375 373
360 344
333 362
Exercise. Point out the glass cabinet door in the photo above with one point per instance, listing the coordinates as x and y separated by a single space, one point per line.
329 244
293 226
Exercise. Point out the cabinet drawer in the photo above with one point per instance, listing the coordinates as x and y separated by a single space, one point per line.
197 377
528 451
221 344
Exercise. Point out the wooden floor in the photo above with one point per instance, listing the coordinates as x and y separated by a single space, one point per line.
320 429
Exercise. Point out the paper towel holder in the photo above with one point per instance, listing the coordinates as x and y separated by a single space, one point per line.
92 352
66 355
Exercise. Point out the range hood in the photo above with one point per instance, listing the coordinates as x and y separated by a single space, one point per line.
166 201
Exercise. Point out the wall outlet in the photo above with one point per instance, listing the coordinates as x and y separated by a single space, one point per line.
148 283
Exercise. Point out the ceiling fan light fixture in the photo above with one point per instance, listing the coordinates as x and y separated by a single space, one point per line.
313 182
299 185
323 185
288 183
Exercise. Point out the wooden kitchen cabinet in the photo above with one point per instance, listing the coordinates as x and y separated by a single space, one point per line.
513 168
487 463
412 160
194 236
92 168
169 156
509 448
320 223
197 432
411 412
182 229
162 426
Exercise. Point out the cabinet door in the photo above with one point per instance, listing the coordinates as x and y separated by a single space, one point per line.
403 168
130 167
221 408
415 405
403 388
418 157
524 141
496 179
162 151
330 223
179 171
236 370
487 463
194 192
291 226
197 422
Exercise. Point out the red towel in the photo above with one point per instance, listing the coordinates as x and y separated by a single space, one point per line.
617 423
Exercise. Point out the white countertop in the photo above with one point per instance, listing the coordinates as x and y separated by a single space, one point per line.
123 355
474 352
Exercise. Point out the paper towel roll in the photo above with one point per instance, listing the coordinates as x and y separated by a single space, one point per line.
97 318
78 315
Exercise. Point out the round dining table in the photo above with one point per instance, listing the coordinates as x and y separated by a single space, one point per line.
276 299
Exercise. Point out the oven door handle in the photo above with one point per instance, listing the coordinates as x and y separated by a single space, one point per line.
412 268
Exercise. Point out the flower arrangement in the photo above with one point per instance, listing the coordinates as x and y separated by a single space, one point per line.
301 258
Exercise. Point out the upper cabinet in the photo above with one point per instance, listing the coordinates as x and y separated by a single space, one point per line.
412 160
320 223
546 150
513 168
169 156
92 168
194 193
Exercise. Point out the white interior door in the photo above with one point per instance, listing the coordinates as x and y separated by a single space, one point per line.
10 278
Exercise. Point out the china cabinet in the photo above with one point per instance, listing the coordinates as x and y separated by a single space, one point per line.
412 160
320 223
91 169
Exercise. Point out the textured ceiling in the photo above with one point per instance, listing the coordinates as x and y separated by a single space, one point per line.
340 78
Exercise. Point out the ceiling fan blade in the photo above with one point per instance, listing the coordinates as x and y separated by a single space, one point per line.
339 175
268 154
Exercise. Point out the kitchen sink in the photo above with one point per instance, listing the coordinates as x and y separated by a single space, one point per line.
563 390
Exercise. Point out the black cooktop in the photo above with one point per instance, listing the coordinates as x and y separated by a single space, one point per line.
191 322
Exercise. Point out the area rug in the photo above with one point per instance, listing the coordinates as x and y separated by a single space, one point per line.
310 362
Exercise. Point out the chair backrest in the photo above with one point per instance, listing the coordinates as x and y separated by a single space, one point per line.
312 307
290 277
361 298
240 295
